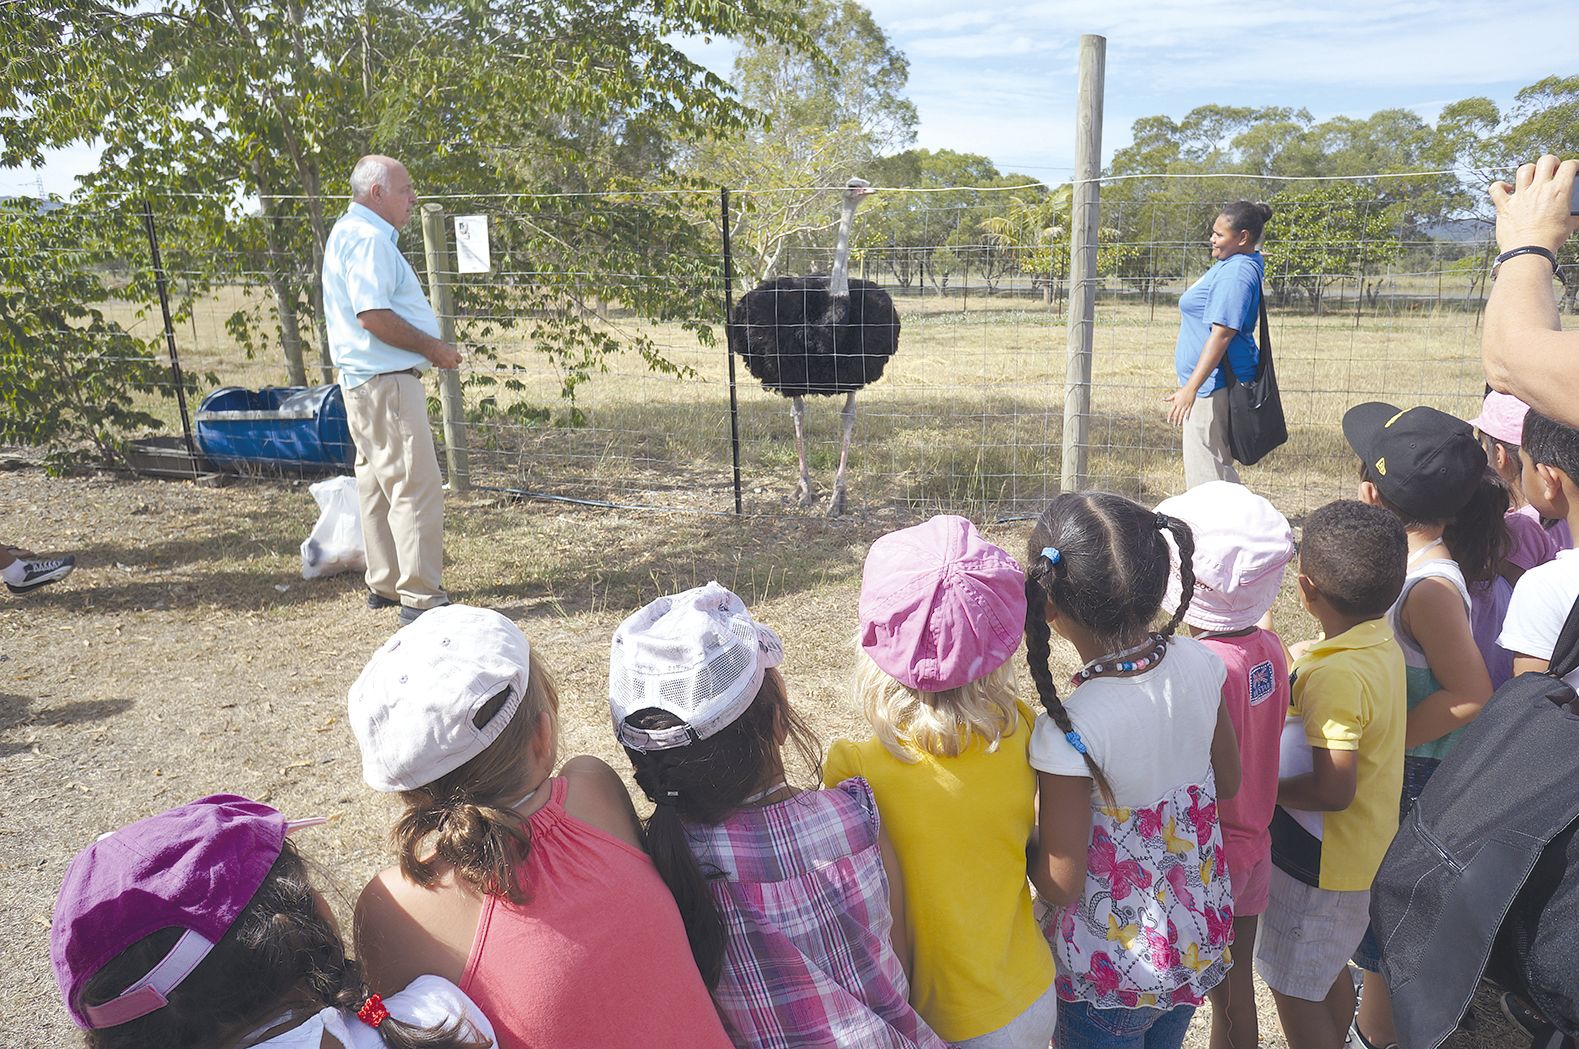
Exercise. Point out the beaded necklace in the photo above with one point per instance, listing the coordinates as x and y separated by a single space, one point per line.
1154 647
1125 661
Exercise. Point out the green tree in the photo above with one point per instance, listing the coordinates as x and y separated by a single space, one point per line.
206 104
1544 118
829 113
1328 232
71 381
1033 226
928 227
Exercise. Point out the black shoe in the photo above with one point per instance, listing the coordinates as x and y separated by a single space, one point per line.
40 572
1542 1034
378 602
409 615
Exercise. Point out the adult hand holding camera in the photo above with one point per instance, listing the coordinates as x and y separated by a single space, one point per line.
1535 211
1524 349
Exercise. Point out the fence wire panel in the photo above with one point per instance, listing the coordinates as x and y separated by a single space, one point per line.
965 415
1392 318
595 358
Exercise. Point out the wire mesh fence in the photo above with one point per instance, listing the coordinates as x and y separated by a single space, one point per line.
596 364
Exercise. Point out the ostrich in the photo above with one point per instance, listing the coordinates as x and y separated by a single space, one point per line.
819 336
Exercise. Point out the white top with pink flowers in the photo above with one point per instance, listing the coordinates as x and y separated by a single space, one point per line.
1153 926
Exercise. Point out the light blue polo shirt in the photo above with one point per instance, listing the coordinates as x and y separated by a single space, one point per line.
1229 294
363 269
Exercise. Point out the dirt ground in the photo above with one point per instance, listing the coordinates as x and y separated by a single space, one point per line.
186 656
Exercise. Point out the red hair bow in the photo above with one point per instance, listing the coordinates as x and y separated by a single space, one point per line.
373 1012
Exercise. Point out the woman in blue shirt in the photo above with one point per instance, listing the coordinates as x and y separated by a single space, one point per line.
1218 315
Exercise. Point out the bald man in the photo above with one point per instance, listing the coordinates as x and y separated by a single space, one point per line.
383 335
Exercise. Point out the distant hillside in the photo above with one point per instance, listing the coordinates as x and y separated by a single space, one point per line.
1462 230
44 207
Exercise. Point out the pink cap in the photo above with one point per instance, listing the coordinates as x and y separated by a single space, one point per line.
1242 546
1502 417
940 606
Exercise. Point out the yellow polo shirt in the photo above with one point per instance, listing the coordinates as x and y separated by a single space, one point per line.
959 827
1351 691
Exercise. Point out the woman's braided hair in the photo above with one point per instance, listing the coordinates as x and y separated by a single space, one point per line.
1109 575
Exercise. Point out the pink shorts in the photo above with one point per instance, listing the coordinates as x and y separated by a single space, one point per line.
1250 883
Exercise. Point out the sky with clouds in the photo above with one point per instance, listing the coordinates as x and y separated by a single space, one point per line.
998 78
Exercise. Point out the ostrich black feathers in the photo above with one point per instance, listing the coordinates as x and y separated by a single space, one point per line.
796 341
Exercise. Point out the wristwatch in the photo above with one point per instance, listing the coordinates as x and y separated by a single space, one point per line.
1528 249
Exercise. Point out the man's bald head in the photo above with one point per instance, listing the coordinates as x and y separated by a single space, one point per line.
382 185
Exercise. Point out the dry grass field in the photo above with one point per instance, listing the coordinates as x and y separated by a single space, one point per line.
187 656
968 416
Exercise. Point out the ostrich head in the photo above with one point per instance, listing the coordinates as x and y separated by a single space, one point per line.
856 190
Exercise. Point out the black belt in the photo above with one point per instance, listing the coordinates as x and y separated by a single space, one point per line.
405 371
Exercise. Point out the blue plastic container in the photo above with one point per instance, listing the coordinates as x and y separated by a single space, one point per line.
277 427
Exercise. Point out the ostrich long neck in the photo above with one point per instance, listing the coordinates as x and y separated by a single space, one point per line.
839 278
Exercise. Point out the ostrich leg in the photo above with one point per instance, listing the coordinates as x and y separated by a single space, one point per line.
847 416
803 493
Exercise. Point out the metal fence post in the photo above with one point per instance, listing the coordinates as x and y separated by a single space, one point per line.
1083 221
437 248
177 379
729 310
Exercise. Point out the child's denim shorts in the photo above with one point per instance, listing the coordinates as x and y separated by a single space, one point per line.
1417 773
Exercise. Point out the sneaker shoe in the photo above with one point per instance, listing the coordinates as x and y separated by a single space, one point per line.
1542 1034
1357 1040
378 602
409 615
41 572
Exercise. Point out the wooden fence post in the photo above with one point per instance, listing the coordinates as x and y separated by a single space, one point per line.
1083 223
437 247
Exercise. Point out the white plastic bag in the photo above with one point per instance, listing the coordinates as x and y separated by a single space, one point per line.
335 544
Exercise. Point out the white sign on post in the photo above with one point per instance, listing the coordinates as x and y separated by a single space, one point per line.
471 244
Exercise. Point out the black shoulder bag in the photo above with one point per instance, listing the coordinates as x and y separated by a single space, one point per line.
1483 876
1255 409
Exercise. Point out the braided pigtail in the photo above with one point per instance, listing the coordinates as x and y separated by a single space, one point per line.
1039 584
1184 539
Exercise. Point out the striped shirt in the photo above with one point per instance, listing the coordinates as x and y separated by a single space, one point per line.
804 898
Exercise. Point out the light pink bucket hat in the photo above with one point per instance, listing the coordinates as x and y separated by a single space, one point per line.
1502 417
1242 545
940 606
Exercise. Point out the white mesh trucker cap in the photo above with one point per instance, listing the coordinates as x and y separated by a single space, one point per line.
415 705
698 655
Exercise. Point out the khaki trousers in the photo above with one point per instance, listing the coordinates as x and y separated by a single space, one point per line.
402 495
1206 454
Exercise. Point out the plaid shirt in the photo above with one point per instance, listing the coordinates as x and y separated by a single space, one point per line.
804 897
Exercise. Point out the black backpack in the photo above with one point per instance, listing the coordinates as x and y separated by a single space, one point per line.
1483 876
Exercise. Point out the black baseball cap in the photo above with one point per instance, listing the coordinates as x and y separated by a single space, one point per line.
1425 462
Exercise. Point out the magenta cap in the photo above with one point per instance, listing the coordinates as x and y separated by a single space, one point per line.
195 868
1502 417
940 606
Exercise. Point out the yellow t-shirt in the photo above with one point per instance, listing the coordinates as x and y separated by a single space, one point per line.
1351 691
959 827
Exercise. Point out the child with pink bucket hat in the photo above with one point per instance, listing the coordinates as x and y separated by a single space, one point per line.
1242 546
942 613
201 926
1500 429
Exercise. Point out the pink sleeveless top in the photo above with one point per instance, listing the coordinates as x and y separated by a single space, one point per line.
597 956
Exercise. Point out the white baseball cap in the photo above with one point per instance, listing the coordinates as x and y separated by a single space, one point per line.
698 655
1242 545
414 708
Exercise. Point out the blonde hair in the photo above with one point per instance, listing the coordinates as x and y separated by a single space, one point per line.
910 723
463 811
